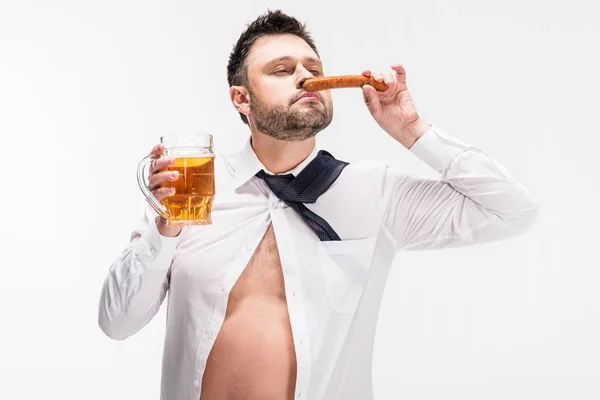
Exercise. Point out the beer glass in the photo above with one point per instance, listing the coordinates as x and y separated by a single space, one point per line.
194 188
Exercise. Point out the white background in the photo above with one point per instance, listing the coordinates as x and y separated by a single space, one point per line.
86 89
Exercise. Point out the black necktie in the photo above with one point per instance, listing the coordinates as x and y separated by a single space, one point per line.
311 182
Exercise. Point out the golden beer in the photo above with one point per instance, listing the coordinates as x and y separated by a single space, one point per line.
194 192
191 204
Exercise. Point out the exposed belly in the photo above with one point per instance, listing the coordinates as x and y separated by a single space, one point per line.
253 357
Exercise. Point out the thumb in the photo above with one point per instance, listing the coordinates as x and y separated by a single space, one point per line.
371 99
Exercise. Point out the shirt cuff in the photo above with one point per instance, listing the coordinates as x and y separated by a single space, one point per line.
155 250
438 149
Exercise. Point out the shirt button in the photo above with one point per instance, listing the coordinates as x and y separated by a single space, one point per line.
196 383
223 289
209 334
249 247
152 250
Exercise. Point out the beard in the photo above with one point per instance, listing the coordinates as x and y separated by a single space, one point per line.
285 123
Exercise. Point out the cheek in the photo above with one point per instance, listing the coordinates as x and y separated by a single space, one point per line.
275 95
327 98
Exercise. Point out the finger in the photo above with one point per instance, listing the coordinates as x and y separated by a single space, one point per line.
161 163
378 77
158 149
371 99
400 72
161 193
388 78
366 72
161 177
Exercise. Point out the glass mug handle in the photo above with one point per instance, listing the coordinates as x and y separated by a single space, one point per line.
159 208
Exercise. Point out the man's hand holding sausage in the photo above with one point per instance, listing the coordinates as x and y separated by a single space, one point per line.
393 109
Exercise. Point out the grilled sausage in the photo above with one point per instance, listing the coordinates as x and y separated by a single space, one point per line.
343 81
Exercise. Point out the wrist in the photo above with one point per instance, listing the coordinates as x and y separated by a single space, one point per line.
410 133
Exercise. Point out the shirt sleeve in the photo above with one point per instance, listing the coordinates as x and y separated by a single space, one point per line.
476 200
137 281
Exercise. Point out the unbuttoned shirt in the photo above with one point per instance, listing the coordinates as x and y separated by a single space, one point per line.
333 288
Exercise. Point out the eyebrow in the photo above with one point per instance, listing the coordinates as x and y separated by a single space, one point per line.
288 58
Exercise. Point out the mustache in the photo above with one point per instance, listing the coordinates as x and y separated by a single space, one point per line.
296 97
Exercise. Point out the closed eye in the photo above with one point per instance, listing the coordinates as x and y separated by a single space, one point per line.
281 71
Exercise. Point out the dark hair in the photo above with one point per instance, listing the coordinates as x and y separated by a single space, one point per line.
270 23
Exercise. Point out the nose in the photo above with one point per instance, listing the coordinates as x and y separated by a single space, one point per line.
303 75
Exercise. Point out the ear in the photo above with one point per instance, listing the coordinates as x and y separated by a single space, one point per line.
240 99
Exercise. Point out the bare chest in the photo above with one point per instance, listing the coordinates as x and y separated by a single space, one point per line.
263 275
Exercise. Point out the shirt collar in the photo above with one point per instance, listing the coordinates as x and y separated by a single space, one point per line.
249 165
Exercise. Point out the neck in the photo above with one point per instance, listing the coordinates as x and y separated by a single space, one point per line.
279 156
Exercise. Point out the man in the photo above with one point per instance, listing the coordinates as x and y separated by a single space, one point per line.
278 298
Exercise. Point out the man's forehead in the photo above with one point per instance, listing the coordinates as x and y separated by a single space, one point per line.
271 49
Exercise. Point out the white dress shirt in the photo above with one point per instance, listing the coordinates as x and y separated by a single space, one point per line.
333 288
